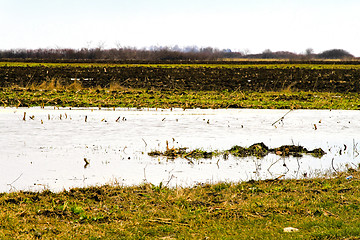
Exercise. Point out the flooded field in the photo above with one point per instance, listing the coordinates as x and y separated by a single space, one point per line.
58 149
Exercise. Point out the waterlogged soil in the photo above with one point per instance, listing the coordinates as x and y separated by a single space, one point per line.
216 77
63 148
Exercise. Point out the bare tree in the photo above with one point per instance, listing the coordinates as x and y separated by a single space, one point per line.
309 51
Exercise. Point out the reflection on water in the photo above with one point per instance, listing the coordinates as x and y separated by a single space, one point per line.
61 148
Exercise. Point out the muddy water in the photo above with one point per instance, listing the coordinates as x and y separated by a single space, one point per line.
47 150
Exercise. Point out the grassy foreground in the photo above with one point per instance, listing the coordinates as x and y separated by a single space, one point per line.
116 96
323 208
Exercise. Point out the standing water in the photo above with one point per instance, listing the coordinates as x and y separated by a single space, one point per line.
58 149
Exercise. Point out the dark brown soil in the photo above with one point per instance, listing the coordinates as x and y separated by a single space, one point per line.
189 78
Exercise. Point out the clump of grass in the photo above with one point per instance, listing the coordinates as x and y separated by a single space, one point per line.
173 153
258 150
75 86
47 85
115 86
170 153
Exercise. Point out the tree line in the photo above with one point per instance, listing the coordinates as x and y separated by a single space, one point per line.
163 53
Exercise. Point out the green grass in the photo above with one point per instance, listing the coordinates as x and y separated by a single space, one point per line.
321 208
138 98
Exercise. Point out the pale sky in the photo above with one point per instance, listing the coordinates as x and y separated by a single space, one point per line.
255 25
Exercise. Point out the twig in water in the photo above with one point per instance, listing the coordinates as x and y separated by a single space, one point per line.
297 159
286 167
87 162
272 165
171 177
257 168
145 173
11 184
332 164
144 142
355 149
282 118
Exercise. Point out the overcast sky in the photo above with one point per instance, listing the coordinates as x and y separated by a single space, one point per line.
255 25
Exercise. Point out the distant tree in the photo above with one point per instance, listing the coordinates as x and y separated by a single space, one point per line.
246 51
267 53
309 51
309 54
335 54
155 53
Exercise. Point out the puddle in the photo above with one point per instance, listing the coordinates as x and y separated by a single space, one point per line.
48 149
